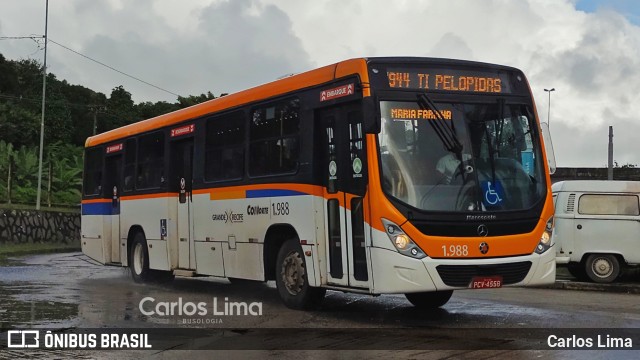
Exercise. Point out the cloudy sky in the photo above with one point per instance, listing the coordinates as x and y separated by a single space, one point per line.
588 50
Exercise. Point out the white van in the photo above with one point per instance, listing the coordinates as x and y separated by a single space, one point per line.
597 227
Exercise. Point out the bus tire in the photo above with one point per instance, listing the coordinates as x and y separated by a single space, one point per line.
602 268
429 300
139 259
291 278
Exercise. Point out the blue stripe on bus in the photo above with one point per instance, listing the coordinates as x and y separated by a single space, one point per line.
103 208
272 193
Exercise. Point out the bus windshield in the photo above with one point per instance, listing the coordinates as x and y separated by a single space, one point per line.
496 164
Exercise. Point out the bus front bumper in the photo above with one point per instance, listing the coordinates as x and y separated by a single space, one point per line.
397 273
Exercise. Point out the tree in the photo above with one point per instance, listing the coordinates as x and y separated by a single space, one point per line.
191 100
18 126
26 171
120 110
6 167
148 110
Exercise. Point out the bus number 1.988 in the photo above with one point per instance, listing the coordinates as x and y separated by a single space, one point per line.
455 250
280 208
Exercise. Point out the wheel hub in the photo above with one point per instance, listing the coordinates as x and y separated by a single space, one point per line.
137 259
292 273
602 267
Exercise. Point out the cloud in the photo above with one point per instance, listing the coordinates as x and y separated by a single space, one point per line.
229 46
591 58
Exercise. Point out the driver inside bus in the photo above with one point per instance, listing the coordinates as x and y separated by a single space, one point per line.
449 166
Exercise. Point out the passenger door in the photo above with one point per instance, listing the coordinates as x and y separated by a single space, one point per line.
113 188
181 182
344 171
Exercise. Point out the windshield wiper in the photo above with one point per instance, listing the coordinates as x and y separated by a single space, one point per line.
445 132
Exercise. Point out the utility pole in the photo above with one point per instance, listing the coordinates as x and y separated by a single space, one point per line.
610 169
95 111
44 90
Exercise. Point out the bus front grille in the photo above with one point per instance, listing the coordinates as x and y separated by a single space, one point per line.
461 275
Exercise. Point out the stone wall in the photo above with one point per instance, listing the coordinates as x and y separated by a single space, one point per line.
595 174
31 226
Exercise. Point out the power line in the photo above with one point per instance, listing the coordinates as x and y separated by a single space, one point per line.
36 38
112 68
32 37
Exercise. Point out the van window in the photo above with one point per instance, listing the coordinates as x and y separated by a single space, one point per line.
592 204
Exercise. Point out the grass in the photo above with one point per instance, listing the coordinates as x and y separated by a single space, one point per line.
7 250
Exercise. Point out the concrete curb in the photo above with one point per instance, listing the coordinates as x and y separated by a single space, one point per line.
624 288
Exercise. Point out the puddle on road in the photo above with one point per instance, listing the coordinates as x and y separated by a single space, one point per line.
41 291
15 313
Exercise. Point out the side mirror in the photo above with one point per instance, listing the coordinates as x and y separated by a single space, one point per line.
548 147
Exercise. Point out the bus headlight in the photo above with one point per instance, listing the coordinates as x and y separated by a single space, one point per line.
401 241
545 240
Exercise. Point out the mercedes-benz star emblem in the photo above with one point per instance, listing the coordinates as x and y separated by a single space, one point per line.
482 230
484 248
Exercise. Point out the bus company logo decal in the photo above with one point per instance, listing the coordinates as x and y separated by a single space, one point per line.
228 217
257 210
337 92
484 248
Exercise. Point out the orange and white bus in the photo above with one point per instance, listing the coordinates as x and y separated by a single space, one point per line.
417 176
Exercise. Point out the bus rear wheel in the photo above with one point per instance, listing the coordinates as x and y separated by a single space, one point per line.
429 300
139 259
139 263
291 279
602 268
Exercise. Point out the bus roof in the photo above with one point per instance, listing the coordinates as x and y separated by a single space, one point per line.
604 186
261 92
278 87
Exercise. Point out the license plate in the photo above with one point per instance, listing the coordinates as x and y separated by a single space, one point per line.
485 282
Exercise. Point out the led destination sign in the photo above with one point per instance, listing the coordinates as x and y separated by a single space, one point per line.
448 80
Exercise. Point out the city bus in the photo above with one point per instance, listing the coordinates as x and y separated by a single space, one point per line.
415 176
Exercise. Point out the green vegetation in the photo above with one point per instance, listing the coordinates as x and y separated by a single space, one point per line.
9 250
71 112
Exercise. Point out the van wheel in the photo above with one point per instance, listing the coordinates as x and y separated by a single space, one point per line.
291 279
602 268
429 300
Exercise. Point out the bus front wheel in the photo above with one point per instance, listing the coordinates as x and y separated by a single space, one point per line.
429 300
291 279
602 268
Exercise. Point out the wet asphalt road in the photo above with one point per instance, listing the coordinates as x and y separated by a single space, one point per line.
70 291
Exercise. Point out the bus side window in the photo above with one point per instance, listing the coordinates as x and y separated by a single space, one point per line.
93 173
151 169
224 147
274 138
129 165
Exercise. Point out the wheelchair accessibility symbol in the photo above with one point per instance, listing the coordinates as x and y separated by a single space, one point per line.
493 193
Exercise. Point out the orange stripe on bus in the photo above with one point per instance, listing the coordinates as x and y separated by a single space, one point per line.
227 195
149 196
95 201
